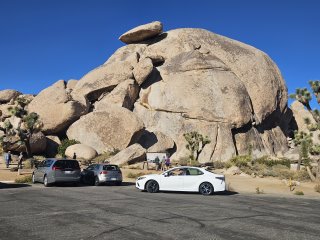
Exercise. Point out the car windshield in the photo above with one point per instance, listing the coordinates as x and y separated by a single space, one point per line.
110 167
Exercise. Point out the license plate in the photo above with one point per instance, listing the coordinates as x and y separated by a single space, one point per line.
113 179
68 172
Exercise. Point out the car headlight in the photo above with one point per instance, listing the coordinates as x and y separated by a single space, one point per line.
140 178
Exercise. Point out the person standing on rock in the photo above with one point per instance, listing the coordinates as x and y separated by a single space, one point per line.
74 156
20 160
8 159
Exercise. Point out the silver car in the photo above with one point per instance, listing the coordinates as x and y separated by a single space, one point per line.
97 174
53 170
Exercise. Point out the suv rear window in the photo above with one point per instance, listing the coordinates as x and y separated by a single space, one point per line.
111 168
67 164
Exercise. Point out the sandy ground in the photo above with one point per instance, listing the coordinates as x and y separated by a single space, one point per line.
236 183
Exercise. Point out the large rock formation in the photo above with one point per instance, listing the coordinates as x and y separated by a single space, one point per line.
56 108
172 83
114 128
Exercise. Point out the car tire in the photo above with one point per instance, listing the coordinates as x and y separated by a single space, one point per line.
206 188
33 179
96 181
45 181
152 186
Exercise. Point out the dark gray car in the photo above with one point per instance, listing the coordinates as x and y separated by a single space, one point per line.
54 170
97 174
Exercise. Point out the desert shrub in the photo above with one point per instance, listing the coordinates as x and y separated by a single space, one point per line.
271 162
30 163
65 143
300 193
219 165
317 187
24 179
241 161
39 157
101 157
186 161
135 175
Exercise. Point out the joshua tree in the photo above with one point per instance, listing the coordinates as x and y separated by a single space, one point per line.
304 140
29 124
196 143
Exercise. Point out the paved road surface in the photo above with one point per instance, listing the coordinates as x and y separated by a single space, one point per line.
111 212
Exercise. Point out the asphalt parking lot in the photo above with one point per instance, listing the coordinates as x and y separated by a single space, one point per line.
113 212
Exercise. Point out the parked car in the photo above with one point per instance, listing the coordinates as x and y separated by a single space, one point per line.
97 174
189 179
53 170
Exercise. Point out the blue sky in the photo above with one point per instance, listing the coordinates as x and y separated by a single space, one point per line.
42 41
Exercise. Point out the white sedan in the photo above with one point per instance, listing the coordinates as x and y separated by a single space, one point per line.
189 179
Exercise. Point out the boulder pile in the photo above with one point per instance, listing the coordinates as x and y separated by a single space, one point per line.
165 84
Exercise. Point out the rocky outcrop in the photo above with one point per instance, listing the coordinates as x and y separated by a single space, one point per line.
113 128
133 154
142 70
173 83
57 108
82 151
123 95
53 143
38 143
102 79
156 142
142 32
8 95
300 113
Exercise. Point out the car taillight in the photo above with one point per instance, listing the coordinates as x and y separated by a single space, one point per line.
103 172
55 168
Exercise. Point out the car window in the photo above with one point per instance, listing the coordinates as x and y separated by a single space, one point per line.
72 164
41 164
47 163
97 167
110 167
91 167
177 172
67 164
194 172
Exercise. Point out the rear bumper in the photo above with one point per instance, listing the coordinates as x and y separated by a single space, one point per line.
110 179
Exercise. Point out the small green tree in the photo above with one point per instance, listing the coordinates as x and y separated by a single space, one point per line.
195 144
29 124
304 140
65 143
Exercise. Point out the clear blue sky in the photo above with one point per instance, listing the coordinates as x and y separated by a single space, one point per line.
42 41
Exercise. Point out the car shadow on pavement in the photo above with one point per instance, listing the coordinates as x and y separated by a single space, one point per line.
224 193
13 185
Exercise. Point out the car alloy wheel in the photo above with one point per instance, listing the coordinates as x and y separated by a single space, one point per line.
96 181
45 181
206 188
152 186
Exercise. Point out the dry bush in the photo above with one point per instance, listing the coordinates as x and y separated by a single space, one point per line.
135 175
24 179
